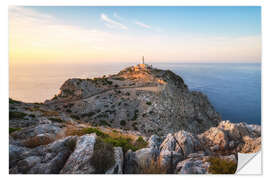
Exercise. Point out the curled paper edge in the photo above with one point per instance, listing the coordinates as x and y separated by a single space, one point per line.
249 163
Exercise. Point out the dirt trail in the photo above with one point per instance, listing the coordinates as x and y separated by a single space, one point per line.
143 88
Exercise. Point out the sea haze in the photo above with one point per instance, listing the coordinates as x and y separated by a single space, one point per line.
233 89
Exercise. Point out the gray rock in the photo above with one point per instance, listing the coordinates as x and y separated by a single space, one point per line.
131 166
186 143
119 161
169 159
192 166
79 161
154 141
48 159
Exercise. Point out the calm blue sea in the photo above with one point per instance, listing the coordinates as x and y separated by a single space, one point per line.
233 89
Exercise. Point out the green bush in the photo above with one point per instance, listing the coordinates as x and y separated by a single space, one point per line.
148 103
221 166
135 115
11 130
56 120
94 130
88 114
122 122
12 101
104 123
140 143
16 114
103 156
75 117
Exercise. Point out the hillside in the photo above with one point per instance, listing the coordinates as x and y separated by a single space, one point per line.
138 98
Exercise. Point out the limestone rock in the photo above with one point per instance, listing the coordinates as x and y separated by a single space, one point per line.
119 161
79 161
47 159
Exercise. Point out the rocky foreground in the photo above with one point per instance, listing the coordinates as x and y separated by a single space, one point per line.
141 120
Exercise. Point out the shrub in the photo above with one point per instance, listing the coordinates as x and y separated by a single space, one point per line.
32 115
56 120
122 122
75 117
134 125
12 101
135 115
11 130
104 123
125 143
103 156
140 143
148 103
68 111
16 114
221 166
84 131
88 114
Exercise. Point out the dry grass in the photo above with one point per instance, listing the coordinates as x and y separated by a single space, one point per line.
37 141
221 166
154 167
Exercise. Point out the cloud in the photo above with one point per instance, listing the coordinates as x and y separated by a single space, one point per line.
143 25
117 16
111 23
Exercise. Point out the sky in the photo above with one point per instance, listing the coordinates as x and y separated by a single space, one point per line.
74 34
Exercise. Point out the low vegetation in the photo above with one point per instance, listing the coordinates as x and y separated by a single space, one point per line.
140 143
11 130
148 103
37 141
221 166
12 101
56 120
16 114
103 156
114 138
122 122
153 167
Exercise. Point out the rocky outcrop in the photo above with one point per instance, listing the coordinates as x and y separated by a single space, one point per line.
232 137
140 98
48 159
78 161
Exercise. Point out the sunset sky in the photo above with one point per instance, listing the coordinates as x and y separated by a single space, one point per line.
124 34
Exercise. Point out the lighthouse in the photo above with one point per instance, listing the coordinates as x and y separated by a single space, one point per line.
143 60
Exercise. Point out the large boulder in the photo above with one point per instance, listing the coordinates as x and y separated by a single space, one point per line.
215 138
154 142
196 163
79 161
141 160
192 166
119 162
186 143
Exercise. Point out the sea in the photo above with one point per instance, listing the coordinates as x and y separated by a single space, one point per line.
233 89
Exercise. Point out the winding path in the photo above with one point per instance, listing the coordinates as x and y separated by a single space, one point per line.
145 88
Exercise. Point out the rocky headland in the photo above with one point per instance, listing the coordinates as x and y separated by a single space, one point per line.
141 120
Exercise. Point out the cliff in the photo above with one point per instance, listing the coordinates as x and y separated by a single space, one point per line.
138 98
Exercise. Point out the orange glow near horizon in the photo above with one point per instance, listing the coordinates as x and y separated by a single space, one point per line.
37 38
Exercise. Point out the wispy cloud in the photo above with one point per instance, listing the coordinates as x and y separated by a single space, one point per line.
117 16
112 23
143 25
